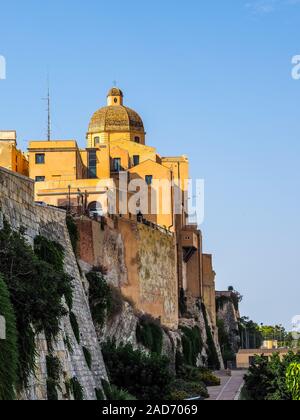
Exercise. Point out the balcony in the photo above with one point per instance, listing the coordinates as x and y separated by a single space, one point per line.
189 243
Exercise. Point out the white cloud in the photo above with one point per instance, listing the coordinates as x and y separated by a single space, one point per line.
269 6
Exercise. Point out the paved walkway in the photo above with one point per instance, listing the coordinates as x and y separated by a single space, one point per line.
230 386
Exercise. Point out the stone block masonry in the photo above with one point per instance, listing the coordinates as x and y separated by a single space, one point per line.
2 328
18 208
138 259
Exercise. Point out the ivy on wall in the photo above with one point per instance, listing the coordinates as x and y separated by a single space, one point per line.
192 344
149 333
106 301
8 347
36 283
213 359
53 373
73 232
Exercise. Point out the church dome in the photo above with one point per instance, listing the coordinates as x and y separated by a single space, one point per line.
116 117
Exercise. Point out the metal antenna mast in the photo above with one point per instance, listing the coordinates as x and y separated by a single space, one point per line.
48 112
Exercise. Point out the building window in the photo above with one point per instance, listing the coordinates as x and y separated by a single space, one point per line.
40 158
117 165
149 179
97 141
136 160
137 139
39 179
92 164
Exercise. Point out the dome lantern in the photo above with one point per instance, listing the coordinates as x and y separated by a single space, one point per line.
115 97
116 117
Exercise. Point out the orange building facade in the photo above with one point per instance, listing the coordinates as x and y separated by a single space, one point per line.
117 166
10 156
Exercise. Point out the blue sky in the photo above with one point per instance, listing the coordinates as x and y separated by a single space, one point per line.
211 79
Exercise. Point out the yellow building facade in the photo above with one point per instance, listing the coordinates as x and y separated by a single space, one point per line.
116 143
10 156
118 166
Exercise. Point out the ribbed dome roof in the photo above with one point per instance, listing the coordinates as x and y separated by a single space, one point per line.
116 117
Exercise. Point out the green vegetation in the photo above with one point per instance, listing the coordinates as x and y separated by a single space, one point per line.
76 389
182 302
99 394
73 232
88 357
277 333
75 326
192 344
226 349
8 347
182 389
50 252
235 298
115 394
221 301
149 333
198 374
147 377
293 380
274 379
213 359
105 301
251 336
36 283
53 374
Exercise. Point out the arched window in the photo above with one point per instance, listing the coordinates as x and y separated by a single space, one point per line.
97 141
137 139
95 209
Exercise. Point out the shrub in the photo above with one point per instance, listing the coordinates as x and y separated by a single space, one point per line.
267 379
208 378
293 380
192 389
147 377
178 396
201 375
36 289
192 344
88 357
75 326
115 394
8 348
149 333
